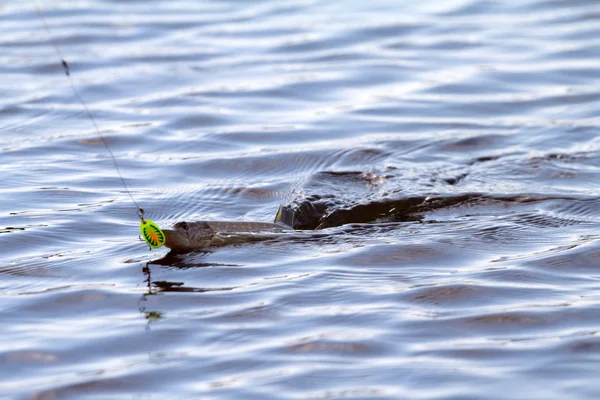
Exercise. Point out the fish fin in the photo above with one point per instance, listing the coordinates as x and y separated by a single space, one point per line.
285 215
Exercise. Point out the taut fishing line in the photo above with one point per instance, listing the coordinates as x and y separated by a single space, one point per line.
151 233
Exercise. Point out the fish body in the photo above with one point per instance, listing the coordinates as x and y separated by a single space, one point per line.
202 235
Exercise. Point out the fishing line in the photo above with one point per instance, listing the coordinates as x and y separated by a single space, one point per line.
153 235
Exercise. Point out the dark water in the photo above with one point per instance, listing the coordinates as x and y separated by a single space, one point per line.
451 149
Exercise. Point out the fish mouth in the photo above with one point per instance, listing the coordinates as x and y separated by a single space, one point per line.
177 241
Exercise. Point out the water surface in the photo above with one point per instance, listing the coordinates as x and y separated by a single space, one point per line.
450 149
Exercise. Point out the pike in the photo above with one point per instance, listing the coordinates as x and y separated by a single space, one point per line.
202 235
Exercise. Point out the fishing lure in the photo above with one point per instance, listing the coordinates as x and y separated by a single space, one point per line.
151 233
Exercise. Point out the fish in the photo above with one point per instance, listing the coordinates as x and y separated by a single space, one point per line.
187 237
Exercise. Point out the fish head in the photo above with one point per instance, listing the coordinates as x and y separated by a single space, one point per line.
185 237
177 239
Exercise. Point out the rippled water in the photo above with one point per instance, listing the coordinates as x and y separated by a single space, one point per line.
451 150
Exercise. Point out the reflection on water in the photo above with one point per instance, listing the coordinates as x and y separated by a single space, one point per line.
447 152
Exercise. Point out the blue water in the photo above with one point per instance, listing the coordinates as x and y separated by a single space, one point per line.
484 287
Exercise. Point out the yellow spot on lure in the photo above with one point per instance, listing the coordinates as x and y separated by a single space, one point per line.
152 234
